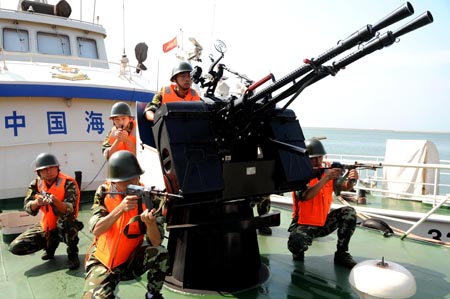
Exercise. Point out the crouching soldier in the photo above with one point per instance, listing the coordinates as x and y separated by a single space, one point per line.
120 251
57 196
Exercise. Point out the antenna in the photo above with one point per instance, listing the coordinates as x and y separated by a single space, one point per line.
123 25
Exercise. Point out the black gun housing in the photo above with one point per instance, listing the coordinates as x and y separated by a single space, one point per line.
222 154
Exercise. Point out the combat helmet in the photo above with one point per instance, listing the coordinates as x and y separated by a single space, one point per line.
315 148
181 67
44 160
120 109
123 166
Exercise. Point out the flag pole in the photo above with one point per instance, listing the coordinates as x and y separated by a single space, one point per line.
157 76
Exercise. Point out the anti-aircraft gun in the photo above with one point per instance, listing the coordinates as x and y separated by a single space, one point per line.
221 155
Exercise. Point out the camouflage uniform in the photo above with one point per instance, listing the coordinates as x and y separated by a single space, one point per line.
342 219
35 239
154 104
100 282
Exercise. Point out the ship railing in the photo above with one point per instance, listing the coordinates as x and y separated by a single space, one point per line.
90 23
372 178
122 66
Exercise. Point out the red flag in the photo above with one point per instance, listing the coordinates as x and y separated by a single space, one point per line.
170 45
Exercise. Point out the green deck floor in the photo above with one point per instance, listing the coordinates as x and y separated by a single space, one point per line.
29 277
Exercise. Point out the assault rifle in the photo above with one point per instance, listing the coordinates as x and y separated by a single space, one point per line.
145 193
347 168
355 165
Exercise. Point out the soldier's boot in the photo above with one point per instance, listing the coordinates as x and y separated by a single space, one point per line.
345 259
74 262
299 256
48 254
154 296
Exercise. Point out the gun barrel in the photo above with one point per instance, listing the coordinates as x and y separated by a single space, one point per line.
387 39
400 13
363 35
422 20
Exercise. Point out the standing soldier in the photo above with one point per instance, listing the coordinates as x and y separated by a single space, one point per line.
122 135
120 251
57 196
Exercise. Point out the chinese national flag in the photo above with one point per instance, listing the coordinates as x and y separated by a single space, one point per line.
170 45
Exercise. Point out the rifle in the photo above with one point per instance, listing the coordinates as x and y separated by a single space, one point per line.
145 193
355 165
347 168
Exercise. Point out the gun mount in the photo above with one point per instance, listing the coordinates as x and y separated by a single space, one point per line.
222 155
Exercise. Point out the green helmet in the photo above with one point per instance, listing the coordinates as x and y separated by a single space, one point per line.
315 148
123 166
120 109
44 160
181 67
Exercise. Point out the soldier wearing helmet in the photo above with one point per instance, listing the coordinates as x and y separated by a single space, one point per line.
112 212
179 90
57 196
122 135
312 217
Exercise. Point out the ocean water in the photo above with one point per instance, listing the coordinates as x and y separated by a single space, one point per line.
373 142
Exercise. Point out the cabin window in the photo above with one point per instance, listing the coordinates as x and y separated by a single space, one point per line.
87 48
15 40
55 44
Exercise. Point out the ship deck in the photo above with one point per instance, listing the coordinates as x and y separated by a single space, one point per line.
317 277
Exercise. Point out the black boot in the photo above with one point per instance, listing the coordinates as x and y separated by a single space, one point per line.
345 259
48 254
299 256
74 262
154 296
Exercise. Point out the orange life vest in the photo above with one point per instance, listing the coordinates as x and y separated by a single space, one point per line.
315 210
169 95
57 189
132 135
114 247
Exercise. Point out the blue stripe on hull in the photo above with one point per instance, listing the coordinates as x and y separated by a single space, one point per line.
67 91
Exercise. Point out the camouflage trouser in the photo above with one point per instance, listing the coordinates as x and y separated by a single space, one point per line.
100 282
342 219
35 239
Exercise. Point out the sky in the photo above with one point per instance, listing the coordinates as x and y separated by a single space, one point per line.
404 87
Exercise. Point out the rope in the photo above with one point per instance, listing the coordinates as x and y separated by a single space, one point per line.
396 230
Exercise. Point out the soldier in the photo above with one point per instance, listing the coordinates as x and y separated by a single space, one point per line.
57 196
119 255
311 205
179 90
122 135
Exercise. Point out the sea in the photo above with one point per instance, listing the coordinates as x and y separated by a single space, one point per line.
373 142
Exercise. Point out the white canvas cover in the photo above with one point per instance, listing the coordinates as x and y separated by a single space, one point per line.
406 179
